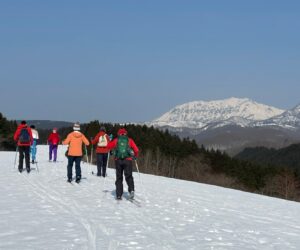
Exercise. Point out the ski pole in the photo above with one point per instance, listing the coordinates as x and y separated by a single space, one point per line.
36 162
106 171
86 155
16 156
92 151
37 167
87 158
137 167
57 153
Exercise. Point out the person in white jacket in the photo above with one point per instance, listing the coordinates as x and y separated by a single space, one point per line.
33 148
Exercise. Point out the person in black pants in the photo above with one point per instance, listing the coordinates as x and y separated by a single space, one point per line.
101 140
24 139
124 167
125 150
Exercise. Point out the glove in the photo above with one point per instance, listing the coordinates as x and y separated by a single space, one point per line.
134 158
131 152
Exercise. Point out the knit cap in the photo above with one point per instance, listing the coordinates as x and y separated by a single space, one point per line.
76 126
122 131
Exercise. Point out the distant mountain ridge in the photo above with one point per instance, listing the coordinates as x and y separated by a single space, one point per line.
48 124
289 119
233 124
203 115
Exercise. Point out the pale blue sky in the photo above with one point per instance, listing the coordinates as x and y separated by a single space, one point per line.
131 61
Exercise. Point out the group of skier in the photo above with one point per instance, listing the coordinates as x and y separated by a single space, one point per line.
122 147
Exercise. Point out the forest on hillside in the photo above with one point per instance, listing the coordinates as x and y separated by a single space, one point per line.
287 156
7 129
165 154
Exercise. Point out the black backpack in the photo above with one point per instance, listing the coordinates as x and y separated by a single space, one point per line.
24 136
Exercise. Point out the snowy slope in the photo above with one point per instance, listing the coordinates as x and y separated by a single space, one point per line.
200 114
41 211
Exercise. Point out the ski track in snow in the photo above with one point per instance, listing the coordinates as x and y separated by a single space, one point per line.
41 210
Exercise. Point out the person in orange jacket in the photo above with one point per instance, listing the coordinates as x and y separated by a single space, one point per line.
102 140
24 139
75 140
125 151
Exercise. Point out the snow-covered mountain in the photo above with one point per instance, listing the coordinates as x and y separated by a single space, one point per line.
201 114
233 124
41 210
289 119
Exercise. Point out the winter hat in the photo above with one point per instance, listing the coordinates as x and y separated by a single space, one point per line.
102 128
76 126
32 126
122 131
23 122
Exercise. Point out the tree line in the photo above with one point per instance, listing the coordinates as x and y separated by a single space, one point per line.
7 130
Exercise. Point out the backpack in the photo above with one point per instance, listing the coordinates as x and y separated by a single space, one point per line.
24 136
102 141
123 150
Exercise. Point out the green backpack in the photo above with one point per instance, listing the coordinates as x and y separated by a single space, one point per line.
123 150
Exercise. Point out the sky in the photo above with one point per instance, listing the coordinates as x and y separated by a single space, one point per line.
132 61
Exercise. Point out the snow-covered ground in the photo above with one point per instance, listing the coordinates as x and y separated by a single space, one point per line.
41 210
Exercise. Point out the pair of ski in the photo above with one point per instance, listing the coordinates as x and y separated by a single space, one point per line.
95 174
134 201
71 182
131 200
77 182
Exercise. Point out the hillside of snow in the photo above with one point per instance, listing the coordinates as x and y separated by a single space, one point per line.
41 210
200 114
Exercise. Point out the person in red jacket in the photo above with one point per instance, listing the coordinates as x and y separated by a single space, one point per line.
125 150
53 141
102 140
24 139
